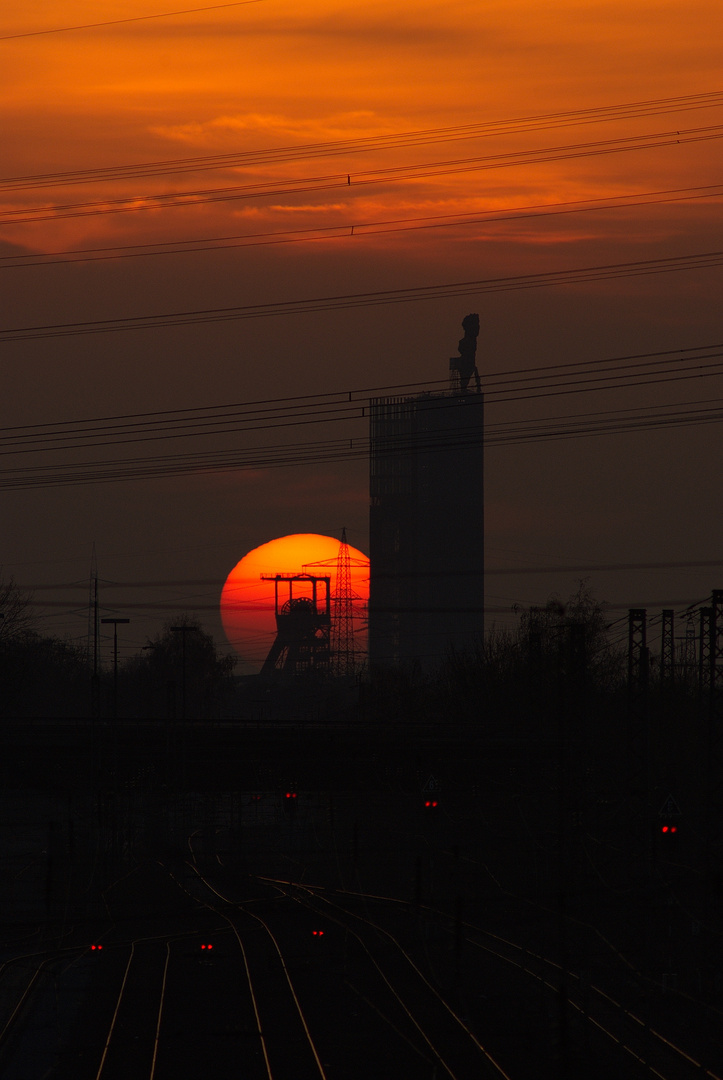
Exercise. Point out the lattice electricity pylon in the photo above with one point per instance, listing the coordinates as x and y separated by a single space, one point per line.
716 658
637 656
711 670
343 657
688 666
667 648
704 640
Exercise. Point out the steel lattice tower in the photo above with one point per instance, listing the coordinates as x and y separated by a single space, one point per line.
637 657
342 636
689 669
638 765
667 647
716 659
704 648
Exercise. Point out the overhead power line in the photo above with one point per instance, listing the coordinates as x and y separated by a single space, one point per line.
545 568
240 421
326 452
573 276
360 178
304 410
362 229
118 22
365 144
361 395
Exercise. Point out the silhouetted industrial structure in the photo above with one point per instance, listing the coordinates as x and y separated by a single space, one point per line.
303 625
343 653
426 528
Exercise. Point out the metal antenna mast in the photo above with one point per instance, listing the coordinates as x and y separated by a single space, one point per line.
342 645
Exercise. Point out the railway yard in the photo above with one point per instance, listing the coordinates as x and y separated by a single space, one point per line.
294 904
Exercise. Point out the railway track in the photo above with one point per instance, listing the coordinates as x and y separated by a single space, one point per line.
305 983
301 984
183 1005
365 1011
640 1046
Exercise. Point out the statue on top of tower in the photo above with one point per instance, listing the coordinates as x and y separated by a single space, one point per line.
464 364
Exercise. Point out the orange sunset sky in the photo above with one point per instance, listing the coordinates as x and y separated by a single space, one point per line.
158 161
240 79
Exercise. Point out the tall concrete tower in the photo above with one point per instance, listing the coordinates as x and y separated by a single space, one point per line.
427 519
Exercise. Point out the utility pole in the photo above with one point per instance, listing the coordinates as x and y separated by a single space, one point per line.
639 779
715 661
183 630
711 691
93 638
115 623
113 810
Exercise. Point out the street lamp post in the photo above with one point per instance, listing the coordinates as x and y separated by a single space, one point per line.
183 631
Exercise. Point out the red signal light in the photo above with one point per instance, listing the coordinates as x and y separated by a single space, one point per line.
668 829
94 947
207 946
290 794
431 803
318 933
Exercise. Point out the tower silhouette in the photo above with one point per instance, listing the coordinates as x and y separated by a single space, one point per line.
426 520
303 624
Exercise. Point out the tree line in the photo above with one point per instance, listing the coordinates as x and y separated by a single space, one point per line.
560 655
46 676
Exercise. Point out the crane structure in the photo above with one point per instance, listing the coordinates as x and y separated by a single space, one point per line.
302 605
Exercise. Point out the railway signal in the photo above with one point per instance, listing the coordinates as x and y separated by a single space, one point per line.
430 793
290 801
96 948
669 821
317 933
208 947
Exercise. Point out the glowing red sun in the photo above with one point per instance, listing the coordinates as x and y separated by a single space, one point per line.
247 602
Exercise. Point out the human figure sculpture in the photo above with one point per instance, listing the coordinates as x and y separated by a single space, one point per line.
464 364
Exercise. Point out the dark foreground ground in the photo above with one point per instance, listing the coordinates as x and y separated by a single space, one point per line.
533 923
